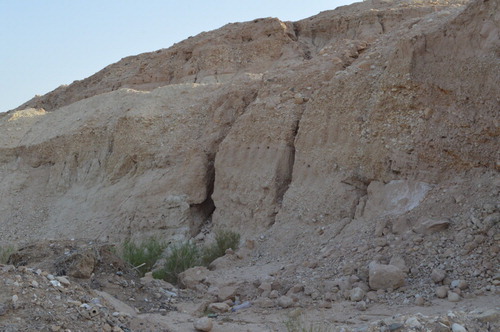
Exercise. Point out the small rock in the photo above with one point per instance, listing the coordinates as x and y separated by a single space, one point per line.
81 264
15 301
274 294
441 292
265 289
361 305
458 328
356 294
226 293
419 300
203 324
453 297
219 307
428 226
34 284
106 328
295 289
412 322
192 277
285 301
399 262
461 284
395 326
63 280
55 283
264 302
437 275
298 99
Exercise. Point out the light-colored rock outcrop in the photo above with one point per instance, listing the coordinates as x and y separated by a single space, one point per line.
258 124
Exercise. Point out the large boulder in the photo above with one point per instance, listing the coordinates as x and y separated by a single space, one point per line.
383 276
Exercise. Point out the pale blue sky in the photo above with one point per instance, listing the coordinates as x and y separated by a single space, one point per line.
46 43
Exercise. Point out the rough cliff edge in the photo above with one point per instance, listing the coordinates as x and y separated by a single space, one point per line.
257 123
344 137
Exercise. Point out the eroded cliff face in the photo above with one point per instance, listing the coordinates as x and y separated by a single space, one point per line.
258 124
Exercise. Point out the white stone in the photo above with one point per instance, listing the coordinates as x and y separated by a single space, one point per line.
285 301
203 324
356 294
458 328
412 322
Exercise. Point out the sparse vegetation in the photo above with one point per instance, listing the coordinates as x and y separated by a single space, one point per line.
182 257
224 239
5 252
143 255
186 255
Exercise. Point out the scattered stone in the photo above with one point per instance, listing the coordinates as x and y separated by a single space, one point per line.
395 326
442 292
461 284
385 276
226 292
458 328
264 302
357 294
265 289
453 297
55 283
399 262
192 277
80 264
15 301
295 289
437 275
285 301
429 226
413 322
63 280
203 324
361 305
274 294
219 307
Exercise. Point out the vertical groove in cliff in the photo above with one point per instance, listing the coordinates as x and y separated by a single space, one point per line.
288 174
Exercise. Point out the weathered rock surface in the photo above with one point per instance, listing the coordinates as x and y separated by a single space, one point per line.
385 276
367 133
160 141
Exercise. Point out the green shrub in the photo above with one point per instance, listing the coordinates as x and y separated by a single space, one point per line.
5 252
224 240
143 255
182 257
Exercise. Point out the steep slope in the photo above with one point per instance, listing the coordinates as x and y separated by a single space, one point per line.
356 151
280 121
